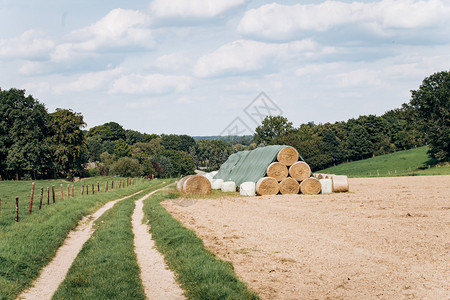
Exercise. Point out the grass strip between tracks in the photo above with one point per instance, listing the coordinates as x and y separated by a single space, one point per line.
200 273
26 247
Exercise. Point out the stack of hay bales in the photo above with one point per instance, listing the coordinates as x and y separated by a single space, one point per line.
339 183
194 184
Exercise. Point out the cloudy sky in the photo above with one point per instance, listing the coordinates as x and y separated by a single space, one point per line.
198 67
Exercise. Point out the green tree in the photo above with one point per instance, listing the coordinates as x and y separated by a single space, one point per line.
182 163
432 102
272 127
95 148
121 149
359 143
67 141
111 131
163 166
133 136
126 166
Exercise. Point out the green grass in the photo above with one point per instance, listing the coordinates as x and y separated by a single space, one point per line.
106 267
200 273
26 247
403 163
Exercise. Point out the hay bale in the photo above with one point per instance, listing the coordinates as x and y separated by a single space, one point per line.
216 184
300 171
287 156
340 183
320 176
197 184
229 186
327 186
310 186
181 182
267 186
289 186
277 170
247 188
329 176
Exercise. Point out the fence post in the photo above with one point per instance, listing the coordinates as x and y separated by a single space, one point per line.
87 189
82 191
120 183
93 189
53 194
48 196
62 192
106 186
40 198
31 198
73 191
17 209
98 186
68 191
112 184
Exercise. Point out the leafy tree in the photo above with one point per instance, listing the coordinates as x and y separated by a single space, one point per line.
133 136
111 131
107 160
126 166
67 141
163 166
432 102
95 148
143 151
272 127
182 163
211 154
359 143
121 149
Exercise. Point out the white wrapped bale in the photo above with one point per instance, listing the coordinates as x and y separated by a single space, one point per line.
248 188
228 186
213 173
209 176
327 186
216 184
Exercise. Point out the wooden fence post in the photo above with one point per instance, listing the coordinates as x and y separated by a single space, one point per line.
31 198
17 209
106 186
98 186
53 194
73 191
112 184
40 198
0 207
48 196
68 191
134 181
120 183
93 189
62 192
82 191
87 189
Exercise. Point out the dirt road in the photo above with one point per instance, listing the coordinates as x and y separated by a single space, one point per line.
389 238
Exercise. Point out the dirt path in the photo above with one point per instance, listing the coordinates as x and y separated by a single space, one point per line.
389 238
55 272
158 280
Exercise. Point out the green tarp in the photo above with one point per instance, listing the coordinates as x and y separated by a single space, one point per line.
248 165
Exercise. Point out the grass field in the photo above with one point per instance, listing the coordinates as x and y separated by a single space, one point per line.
27 246
403 163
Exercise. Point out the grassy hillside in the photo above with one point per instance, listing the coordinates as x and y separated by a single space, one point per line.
402 163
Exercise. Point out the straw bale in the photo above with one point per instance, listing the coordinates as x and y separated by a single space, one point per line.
216 184
287 156
181 182
277 170
197 184
327 186
300 171
267 186
229 186
340 183
247 188
289 186
310 186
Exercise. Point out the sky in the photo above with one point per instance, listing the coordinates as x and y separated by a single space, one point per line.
217 67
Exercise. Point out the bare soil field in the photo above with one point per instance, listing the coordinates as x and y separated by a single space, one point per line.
388 238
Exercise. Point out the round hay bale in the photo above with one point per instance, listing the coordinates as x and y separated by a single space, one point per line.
247 188
267 186
216 184
287 156
310 186
197 184
300 171
327 186
289 186
340 183
329 176
277 170
320 176
181 182
229 186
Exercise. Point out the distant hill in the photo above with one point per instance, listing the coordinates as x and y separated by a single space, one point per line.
409 162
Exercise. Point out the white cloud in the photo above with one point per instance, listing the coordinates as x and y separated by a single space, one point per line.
152 84
386 18
243 56
359 78
184 100
89 81
172 62
192 8
119 29
32 44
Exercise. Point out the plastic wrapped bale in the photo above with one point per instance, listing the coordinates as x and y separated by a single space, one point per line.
340 183
248 188
267 186
216 184
310 186
181 182
287 156
300 171
289 186
326 186
209 176
213 173
197 184
229 186
277 170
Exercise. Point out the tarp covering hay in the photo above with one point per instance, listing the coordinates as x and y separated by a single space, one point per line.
197 184
289 186
267 186
247 188
287 156
310 186
278 171
340 183
300 171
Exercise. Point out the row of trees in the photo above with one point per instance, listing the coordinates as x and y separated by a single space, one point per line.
424 120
